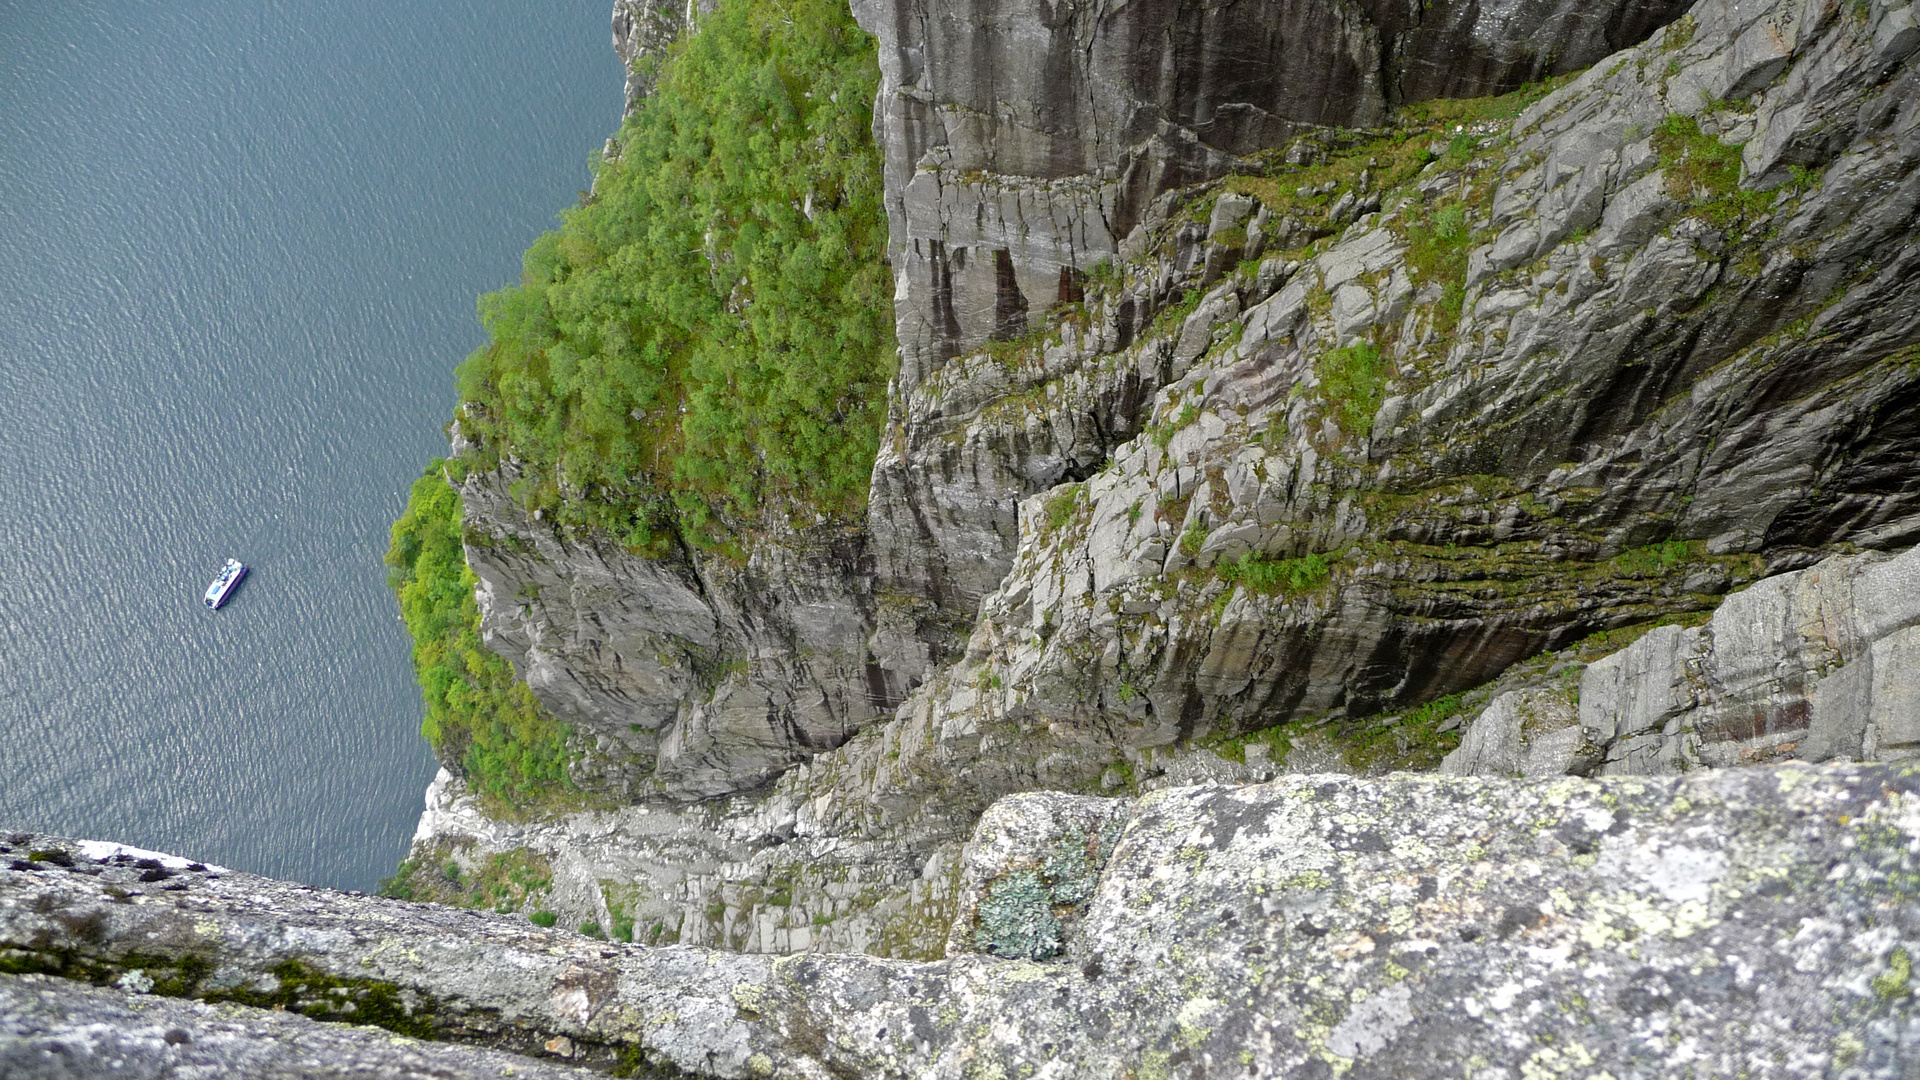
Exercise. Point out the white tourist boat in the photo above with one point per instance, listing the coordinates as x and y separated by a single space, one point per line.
224 585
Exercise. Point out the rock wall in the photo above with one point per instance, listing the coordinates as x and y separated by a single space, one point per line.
1024 141
687 677
628 644
1816 665
1653 392
1736 922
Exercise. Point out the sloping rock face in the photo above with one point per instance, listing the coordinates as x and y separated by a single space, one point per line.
1340 433
1755 922
1348 500
54 1029
1818 665
691 677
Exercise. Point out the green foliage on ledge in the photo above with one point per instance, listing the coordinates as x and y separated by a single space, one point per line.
710 333
513 753
1279 577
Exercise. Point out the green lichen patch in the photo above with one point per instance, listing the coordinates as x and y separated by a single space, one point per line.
1894 983
1027 912
167 976
1017 920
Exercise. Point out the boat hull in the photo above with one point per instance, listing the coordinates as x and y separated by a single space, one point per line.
224 585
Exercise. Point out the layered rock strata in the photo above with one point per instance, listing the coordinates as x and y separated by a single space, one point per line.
1817 664
1756 922
1360 425
692 676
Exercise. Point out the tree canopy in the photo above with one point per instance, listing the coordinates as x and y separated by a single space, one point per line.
709 334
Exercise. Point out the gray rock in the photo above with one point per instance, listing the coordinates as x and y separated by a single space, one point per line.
1522 733
688 677
1815 664
1759 920
54 1029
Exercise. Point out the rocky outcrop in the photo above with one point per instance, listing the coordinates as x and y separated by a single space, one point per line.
1817 665
1024 142
691 676
643 30
1067 172
54 1029
1662 381
1757 922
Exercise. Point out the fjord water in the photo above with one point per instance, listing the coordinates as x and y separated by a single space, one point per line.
240 242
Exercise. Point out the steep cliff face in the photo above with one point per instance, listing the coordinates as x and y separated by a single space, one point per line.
691 676
1327 432
1022 185
1817 664
1025 141
1736 922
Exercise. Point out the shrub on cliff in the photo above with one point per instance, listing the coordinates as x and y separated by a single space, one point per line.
711 329
478 715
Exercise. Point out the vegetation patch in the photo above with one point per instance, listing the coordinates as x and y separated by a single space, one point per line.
1024 914
167 976
1017 920
1352 378
503 882
479 717
1705 173
320 996
1278 577
1656 560
1438 242
1061 506
711 330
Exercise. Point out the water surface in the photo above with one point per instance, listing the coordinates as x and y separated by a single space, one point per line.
241 245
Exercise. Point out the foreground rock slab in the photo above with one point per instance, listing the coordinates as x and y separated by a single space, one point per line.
1756 922
52 1029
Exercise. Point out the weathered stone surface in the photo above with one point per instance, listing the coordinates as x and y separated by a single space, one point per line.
55 1029
1756 922
754 873
1817 664
1523 733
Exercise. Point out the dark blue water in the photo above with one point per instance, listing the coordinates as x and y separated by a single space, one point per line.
240 242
